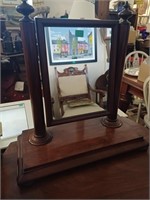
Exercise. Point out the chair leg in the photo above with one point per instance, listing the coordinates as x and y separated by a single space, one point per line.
138 113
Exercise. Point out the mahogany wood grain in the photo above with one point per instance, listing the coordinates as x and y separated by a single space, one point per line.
123 177
39 136
75 144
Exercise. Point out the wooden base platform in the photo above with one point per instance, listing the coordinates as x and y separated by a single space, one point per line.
76 144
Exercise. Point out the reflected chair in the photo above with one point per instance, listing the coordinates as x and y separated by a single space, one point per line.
146 92
131 67
102 84
75 92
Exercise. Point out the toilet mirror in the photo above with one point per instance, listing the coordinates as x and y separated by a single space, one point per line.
77 62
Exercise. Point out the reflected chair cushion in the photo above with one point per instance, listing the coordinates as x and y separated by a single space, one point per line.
79 102
69 112
73 85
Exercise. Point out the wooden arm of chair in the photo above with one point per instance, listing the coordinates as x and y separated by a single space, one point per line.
61 105
101 94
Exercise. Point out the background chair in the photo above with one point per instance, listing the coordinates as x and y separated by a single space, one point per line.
146 91
102 84
74 92
134 60
132 63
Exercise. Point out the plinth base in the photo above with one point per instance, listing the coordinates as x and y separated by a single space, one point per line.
111 124
76 144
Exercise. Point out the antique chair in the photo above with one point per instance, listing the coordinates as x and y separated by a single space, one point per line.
74 92
146 91
131 67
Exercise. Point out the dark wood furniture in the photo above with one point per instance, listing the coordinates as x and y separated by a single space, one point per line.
130 86
75 144
122 177
56 145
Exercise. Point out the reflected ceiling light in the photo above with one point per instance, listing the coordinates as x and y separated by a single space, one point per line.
30 2
82 9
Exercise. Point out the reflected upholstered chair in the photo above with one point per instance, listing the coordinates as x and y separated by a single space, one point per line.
74 92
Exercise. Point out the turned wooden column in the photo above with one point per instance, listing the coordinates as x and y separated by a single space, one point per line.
40 135
123 33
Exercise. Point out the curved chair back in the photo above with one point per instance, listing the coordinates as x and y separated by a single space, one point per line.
134 59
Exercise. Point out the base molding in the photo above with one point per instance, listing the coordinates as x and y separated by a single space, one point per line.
76 144
112 124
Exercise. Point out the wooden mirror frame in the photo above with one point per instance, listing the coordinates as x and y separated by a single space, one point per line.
113 76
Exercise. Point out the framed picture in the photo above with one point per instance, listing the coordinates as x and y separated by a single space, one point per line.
11 2
11 16
70 45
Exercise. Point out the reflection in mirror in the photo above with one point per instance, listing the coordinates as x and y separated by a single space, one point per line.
118 5
78 64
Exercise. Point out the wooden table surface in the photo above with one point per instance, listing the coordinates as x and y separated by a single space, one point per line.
130 86
134 82
122 177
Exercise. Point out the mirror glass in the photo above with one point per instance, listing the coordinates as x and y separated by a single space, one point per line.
78 64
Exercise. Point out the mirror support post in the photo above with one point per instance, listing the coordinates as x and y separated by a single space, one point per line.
39 134
111 120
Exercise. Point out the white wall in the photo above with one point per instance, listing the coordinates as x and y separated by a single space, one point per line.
58 7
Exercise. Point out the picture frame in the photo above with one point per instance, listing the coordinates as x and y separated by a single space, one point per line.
70 45
11 2
11 17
